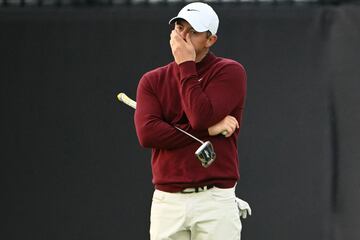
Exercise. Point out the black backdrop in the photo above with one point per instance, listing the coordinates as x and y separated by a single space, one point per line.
71 164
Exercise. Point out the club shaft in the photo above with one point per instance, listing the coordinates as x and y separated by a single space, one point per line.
193 137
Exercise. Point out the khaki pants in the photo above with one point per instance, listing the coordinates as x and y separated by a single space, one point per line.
208 215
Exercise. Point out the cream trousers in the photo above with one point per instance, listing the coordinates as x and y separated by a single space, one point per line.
208 215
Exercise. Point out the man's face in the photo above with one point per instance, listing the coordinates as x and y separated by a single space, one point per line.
200 40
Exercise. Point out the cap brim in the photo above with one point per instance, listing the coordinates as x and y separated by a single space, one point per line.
192 21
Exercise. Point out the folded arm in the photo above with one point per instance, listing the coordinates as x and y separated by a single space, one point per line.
151 129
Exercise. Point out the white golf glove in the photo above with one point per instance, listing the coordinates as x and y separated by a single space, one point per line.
244 208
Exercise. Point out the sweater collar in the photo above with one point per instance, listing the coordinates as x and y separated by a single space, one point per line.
205 61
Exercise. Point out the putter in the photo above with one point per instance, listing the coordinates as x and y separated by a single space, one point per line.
205 153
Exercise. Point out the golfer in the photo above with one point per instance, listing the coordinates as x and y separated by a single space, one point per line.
204 95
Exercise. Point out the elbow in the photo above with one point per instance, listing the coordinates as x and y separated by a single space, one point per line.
144 144
144 139
142 132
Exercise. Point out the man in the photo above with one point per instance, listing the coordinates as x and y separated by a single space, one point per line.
204 95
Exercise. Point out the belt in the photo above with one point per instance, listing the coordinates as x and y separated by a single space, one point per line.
196 189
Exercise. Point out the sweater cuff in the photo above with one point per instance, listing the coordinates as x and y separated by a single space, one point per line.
187 69
203 133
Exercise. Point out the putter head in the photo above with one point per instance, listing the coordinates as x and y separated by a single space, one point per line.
206 154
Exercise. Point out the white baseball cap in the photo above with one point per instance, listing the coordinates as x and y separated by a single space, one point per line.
200 16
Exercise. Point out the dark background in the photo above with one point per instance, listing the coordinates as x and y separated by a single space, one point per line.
72 167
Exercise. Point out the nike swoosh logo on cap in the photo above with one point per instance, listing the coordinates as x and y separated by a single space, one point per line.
193 10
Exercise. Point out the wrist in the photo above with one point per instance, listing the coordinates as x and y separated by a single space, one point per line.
180 61
212 131
187 69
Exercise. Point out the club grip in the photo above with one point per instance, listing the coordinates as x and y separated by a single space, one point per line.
125 99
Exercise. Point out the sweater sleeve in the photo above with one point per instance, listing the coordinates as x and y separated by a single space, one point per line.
151 129
225 92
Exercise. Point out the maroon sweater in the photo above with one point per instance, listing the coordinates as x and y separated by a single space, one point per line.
192 96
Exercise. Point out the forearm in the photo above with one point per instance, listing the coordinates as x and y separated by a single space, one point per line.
155 133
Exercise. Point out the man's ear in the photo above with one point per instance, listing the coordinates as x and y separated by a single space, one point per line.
211 41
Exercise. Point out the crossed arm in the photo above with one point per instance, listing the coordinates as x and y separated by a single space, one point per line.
154 132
